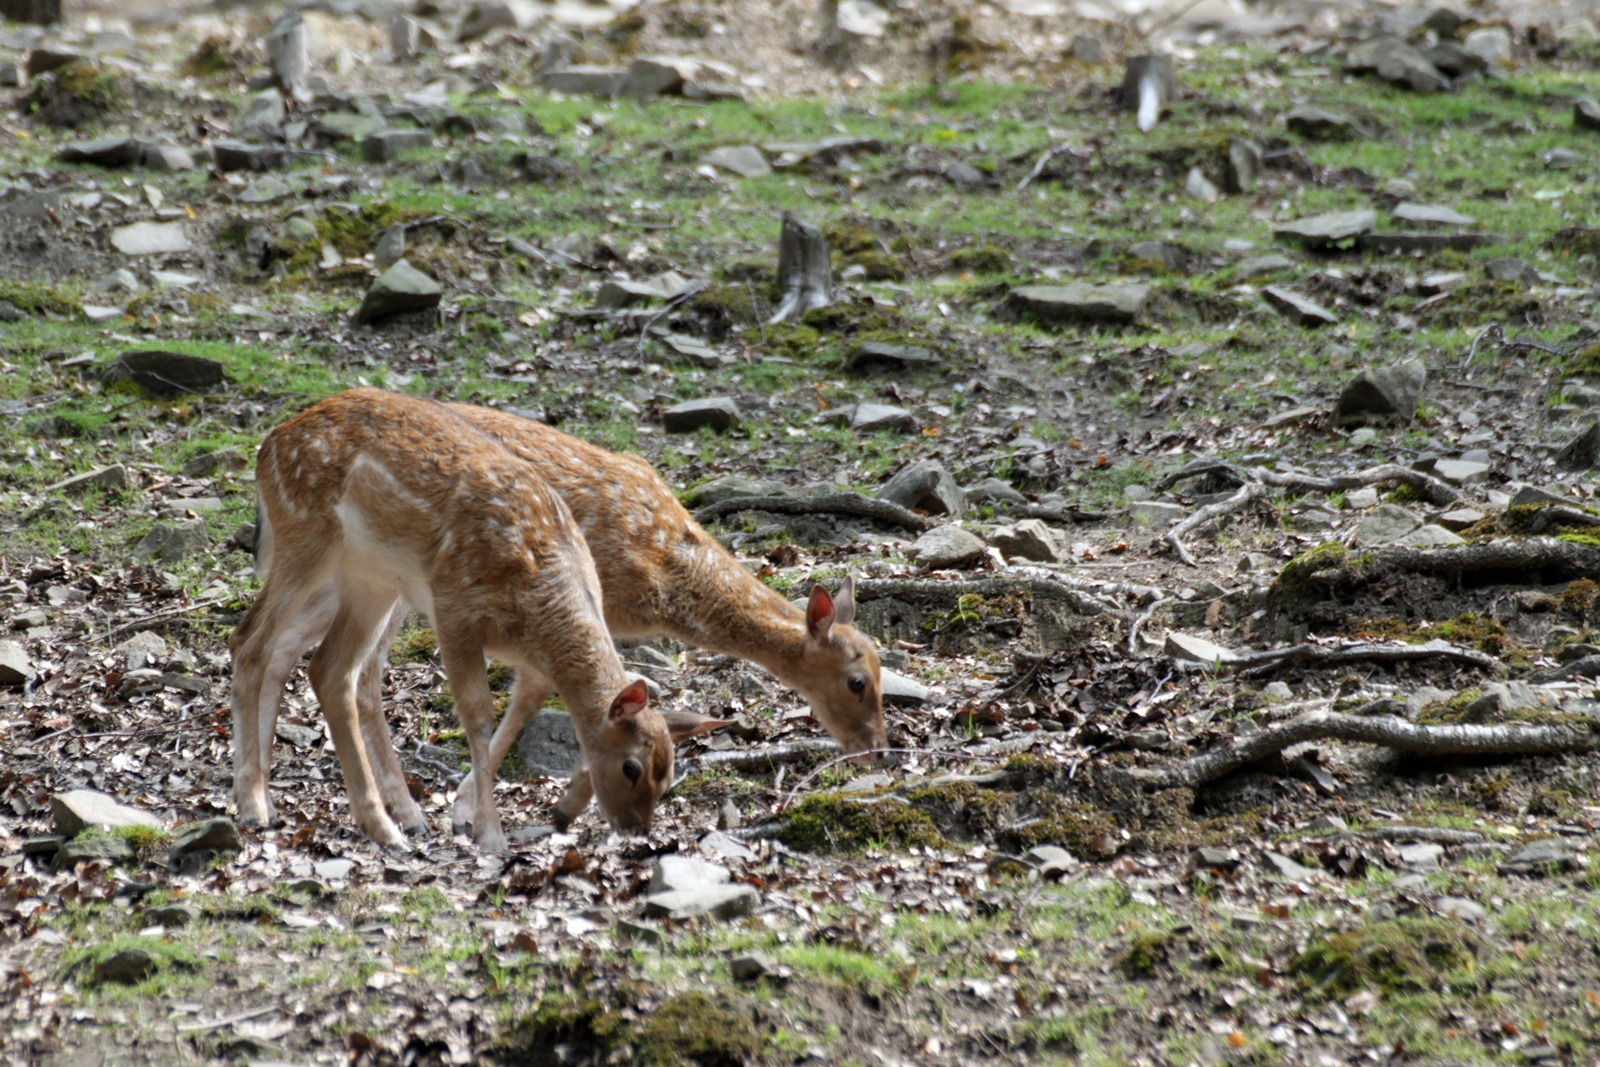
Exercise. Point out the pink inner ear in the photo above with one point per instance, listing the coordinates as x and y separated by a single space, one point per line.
631 701
819 612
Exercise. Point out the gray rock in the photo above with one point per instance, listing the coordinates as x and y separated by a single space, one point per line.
1200 187
1192 649
1361 499
150 238
896 688
1156 512
604 82
348 126
400 289
111 478
745 160
1511 269
1443 281
1421 857
1430 215
1081 302
657 76
1468 911
1458 519
1501 697
166 374
265 189
867 784
1318 124
114 151
173 915
946 546
128 966
78 810
143 650
1297 309
622 294
1242 167
206 836
15 667
1529 495
1561 159
1051 861
1087 49
732 487
299 736
1586 115
488 15
99 849
11 669
875 418
640 930
993 491
1258 266
172 543
1549 855
390 144
1398 63
121 280
1386 523
1331 230
712 901
391 246
749 967
1429 536
236 155
1582 451
720 413
877 356
1156 255
965 174
1461 471
1491 45
674 872
1407 242
549 746
1028 539
1382 394
1288 868
925 485
208 463
264 112
723 847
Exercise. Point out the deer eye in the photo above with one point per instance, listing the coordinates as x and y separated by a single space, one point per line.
632 770
858 686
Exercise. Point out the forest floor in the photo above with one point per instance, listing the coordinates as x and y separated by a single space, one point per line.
1022 885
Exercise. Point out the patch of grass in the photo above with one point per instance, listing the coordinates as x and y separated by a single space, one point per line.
1391 956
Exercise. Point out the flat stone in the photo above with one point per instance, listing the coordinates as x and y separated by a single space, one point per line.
1431 215
1532 495
1051 861
1458 519
1582 450
1511 269
749 967
712 901
1468 911
208 463
78 810
641 930
150 238
1194 649
1562 159
390 144
993 491
720 413
927 486
1331 230
745 160
173 915
172 279
867 784
1156 512
1549 855
826 152
355 126
400 289
299 736
1407 242
99 849
1258 266
875 418
1319 124
1288 868
650 76
1156 255
1242 165
896 688
673 872
114 151
206 835
15 667
1028 539
1501 697
1386 523
1382 394
265 111
1461 471
237 155
166 374
128 966
1429 536
265 189
1443 281
1398 63
1586 115
549 747
1200 187
1297 309
723 847
870 357
1421 857
170 543
1081 302
732 487
946 546
604 82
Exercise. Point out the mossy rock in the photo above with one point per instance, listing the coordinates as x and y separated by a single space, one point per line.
35 298
724 308
880 266
851 319
794 341
847 239
689 1029
76 95
1146 954
352 234
1394 956
1294 583
831 822
985 259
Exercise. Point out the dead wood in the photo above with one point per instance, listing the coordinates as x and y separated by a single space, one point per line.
805 270
1431 488
928 588
1255 664
761 759
1388 730
1546 558
1437 835
868 507
1247 494
1044 514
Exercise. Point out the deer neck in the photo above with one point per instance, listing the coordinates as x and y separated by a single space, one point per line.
719 605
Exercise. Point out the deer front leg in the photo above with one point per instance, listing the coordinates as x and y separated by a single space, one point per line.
528 694
469 683
580 790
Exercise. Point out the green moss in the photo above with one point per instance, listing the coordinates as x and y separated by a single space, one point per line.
725 307
76 94
1295 583
829 822
847 239
215 56
36 298
352 233
1393 956
1145 954
853 319
793 341
689 1028
693 1028
1579 596
985 259
144 840
165 955
880 266
415 646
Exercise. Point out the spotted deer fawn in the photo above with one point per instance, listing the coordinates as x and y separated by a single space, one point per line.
369 499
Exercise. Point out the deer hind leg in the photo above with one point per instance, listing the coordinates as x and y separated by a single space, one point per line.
351 640
382 754
528 694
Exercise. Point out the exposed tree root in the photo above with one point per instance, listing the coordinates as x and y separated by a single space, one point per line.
1547 558
1431 488
869 507
1044 514
1049 588
761 759
1389 731
1255 664
1247 494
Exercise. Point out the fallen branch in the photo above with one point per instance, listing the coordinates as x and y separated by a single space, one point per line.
1438 835
1389 731
761 759
159 616
1254 664
1561 515
868 507
1044 514
1146 616
1049 588
1435 491
1550 559
1247 494
1145 594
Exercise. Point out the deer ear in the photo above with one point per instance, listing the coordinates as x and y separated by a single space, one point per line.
819 613
844 605
630 702
686 724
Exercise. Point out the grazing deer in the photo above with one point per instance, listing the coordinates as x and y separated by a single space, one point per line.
370 498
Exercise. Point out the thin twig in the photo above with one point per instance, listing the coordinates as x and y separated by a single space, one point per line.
160 616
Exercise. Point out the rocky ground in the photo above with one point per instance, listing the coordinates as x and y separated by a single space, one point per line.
1219 493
